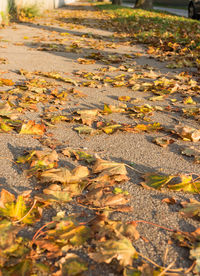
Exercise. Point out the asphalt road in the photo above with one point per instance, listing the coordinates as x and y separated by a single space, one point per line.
180 12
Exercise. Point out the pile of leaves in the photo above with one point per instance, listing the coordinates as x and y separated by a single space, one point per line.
167 38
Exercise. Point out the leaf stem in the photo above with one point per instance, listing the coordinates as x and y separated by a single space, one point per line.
159 266
166 269
132 168
157 225
37 234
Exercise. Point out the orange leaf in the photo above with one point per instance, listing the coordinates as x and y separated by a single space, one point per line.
6 82
32 128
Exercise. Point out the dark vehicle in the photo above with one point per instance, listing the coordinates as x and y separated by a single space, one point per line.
194 9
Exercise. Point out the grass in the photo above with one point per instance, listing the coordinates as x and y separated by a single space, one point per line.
139 21
29 11
168 34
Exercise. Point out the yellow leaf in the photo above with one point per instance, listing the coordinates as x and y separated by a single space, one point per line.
32 128
124 98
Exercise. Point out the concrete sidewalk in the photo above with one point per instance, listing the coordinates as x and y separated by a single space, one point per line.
180 12
65 41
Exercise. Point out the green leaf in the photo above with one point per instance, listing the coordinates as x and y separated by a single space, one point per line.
191 209
111 128
187 183
155 181
73 265
84 130
10 244
5 127
21 269
68 233
57 193
18 209
120 191
131 272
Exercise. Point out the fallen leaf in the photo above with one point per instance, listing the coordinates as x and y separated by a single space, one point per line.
60 194
122 250
188 183
195 254
63 175
79 154
87 117
116 170
191 151
190 209
6 82
32 128
85 130
18 209
72 265
188 133
189 100
124 98
86 61
163 142
169 200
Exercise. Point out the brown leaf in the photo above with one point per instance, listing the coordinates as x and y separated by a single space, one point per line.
169 200
64 175
6 197
113 200
188 133
163 142
87 116
109 167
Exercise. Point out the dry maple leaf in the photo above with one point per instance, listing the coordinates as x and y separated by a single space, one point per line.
32 128
87 116
6 110
79 154
183 182
39 160
108 108
163 141
121 249
109 168
6 82
72 264
57 193
100 198
188 133
190 209
86 61
64 175
6 197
